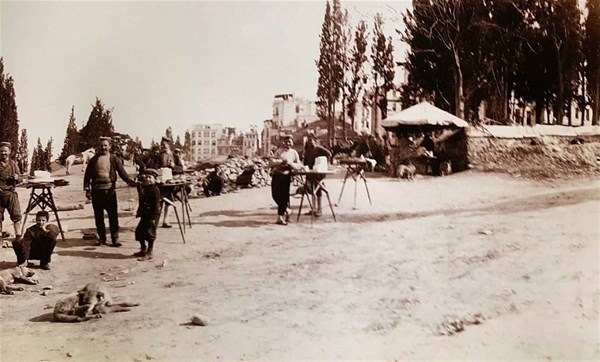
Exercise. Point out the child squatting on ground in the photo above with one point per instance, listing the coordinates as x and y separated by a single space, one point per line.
149 213
38 242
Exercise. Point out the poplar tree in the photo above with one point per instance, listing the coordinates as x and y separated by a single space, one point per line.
325 95
71 138
357 59
383 68
187 145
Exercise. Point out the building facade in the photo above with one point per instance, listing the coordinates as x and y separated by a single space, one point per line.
205 139
292 111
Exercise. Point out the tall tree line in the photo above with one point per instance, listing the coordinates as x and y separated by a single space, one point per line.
464 52
348 74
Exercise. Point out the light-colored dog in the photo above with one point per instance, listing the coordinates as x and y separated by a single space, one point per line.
20 274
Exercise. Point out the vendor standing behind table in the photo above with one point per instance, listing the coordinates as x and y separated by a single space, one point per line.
10 176
99 182
282 178
165 159
312 150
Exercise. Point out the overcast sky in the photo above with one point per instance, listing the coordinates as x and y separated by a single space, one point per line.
164 63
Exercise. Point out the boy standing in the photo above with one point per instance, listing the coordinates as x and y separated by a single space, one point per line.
38 242
149 213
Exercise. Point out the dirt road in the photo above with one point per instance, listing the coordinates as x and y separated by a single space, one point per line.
472 266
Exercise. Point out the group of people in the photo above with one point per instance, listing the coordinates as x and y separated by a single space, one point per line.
99 183
39 240
288 162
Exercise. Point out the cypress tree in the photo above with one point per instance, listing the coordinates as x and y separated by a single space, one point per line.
71 138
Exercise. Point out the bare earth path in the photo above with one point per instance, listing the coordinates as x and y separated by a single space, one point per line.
386 282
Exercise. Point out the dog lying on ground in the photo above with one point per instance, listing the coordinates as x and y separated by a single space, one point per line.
90 302
406 171
445 168
17 274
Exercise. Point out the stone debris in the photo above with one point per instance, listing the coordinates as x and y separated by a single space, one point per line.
199 320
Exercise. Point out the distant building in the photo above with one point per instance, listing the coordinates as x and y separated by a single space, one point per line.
292 111
204 140
250 143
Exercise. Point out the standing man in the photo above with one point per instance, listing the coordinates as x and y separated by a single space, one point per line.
166 159
282 179
99 185
312 150
10 176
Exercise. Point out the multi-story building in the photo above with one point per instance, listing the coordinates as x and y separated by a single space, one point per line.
292 111
204 140
250 143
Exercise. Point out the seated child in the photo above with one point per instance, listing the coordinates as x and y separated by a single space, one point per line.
149 213
38 242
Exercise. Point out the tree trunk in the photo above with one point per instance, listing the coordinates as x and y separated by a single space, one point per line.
560 97
570 115
344 118
459 102
595 104
538 113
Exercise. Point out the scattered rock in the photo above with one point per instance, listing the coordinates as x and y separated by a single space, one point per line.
199 320
69 354
485 232
43 293
47 287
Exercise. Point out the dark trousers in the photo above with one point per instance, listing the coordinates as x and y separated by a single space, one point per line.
280 191
39 249
106 200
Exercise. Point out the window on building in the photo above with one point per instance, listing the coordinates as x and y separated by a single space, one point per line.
193 143
213 134
206 134
199 142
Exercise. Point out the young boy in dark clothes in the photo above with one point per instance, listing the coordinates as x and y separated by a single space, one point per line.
38 242
149 213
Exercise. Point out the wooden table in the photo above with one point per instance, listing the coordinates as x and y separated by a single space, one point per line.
355 169
312 183
176 190
41 196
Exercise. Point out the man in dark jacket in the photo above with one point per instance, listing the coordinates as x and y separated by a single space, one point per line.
10 176
99 185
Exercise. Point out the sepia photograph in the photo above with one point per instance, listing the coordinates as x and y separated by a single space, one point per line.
300 180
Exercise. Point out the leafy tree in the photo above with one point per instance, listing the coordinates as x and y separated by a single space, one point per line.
383 67
9 121
169 133
23 152
357 59
591 51
99 124
71 139
34 158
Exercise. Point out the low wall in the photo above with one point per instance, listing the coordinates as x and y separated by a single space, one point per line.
544 151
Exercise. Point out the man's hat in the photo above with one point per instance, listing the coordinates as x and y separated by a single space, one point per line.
5 144
178 150
150 171
104 138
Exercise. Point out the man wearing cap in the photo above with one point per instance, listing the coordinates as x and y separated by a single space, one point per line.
312 150
10 176
99 184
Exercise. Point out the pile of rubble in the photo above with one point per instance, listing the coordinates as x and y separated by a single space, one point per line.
238 172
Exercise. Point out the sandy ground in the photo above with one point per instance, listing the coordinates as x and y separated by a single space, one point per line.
511 265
